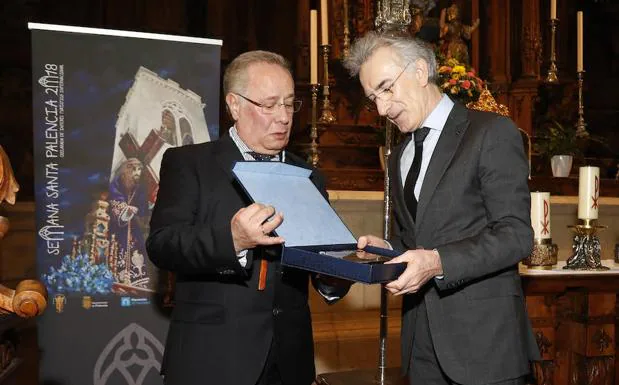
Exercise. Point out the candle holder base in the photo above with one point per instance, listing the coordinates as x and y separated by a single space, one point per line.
586 247
543 256
551 77
327 116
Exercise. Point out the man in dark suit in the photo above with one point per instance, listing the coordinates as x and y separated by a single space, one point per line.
462 212
240 318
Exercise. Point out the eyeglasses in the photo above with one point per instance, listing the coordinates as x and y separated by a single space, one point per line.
385 94
290 107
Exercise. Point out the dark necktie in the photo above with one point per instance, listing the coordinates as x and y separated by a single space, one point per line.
262 157
419 136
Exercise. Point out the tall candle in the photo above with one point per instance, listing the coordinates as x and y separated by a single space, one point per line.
313 46
553 9
324 22
579 42
588 192
540 214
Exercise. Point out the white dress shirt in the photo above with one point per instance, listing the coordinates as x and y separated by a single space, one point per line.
245 150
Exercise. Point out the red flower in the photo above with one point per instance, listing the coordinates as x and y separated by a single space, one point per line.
452 81
466 84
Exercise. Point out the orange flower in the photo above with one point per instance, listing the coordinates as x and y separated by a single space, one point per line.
452 81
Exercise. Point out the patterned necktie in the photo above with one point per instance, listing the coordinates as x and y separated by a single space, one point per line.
261 157
419 136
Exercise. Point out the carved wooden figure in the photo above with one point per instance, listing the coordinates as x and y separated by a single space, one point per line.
30 296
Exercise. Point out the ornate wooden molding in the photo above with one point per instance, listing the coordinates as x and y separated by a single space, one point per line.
543 343
599 370
601 340
543 371
531 41
27 300
531 51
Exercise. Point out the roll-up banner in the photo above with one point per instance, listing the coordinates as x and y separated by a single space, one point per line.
106 106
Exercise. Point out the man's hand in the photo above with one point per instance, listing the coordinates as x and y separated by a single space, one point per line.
371 240
422 265
250 227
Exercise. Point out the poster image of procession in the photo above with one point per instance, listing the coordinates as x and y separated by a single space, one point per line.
99 140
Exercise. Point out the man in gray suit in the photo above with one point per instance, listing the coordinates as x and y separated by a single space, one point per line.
462 220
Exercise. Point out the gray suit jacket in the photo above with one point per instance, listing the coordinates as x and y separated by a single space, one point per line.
474 208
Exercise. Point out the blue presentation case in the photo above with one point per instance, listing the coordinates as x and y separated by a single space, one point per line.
315 237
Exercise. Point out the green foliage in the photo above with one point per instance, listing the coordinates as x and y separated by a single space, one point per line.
558 139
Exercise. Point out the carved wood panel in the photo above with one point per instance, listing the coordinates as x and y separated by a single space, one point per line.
574 322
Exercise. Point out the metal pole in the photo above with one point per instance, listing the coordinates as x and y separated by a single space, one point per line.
382 351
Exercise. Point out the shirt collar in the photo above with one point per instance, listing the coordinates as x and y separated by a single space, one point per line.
438 117
244 148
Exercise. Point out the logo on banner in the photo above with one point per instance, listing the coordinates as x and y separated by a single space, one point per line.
59 301
125 301
133 353
86 302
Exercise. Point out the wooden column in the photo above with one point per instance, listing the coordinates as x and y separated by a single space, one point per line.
524 90
531 40
302 65
499 43
474 54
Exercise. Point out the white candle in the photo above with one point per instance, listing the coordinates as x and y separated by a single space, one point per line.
540 214
588 192
579 42
324 22
313 46
553 9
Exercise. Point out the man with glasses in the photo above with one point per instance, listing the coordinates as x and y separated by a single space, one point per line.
462 222
240 318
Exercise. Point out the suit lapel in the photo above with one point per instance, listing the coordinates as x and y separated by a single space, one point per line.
396 182
227 153
448 143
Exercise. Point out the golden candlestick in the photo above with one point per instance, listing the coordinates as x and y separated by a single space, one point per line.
346 43
313 156
586 247
327 116
552 70
581 126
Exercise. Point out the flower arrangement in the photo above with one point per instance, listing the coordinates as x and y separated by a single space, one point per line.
78 275
459 80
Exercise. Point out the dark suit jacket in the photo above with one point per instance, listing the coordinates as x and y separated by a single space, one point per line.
474 208
222 326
